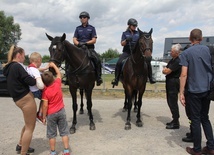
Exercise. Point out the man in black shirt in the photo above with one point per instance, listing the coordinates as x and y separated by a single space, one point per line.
172 71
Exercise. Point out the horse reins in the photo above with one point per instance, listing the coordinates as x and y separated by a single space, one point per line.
78 68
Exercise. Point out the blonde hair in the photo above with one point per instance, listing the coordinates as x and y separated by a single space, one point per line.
35 56
14 50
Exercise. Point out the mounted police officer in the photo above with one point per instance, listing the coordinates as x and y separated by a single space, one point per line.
85 36
128 40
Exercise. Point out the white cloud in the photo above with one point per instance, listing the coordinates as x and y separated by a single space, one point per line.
168 18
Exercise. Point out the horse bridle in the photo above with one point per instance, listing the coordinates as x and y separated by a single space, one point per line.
147 44
58 62
142 50
65 54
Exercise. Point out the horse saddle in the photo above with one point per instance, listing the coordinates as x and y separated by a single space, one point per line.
123 64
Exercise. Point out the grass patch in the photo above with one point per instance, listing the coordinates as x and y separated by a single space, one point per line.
156 90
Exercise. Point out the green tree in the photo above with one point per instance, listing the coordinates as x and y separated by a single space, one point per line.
110 53
10 33
45 58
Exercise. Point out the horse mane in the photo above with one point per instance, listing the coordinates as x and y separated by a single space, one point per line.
70 44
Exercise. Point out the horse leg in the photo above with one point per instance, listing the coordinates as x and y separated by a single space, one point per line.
75 107
135 102
81 104
129 106
139 123
89 107
125 103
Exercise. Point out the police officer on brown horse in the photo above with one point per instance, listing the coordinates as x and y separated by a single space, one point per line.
85 36
128 41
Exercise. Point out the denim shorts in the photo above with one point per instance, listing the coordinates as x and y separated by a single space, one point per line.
37 94
55 120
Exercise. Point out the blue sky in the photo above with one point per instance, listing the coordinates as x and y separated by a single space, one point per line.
168 18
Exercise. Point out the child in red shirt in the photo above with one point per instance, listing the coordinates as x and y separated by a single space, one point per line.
53 110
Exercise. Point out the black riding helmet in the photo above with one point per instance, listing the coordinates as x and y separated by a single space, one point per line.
132 21
84 13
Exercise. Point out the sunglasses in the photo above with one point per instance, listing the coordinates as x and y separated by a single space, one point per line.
83 17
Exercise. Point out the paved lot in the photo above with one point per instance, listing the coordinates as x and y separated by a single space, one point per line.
109 138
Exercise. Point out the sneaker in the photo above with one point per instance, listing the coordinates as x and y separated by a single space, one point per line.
18 149
39 118
53 153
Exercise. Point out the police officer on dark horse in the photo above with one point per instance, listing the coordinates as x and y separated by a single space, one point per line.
85 37
128 41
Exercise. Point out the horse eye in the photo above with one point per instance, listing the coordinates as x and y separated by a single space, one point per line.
54 47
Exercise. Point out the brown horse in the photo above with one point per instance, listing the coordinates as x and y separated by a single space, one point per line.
81 73
134 74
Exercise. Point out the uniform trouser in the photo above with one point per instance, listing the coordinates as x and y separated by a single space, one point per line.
119 64
94 57
149 66
199 106
28 106
172 89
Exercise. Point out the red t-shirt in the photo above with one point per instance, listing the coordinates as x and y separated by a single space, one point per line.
53 94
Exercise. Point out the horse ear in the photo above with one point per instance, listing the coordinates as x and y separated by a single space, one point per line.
150 32
49 37
63 37
139 30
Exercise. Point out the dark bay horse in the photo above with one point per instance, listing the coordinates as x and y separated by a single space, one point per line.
81 73
134 75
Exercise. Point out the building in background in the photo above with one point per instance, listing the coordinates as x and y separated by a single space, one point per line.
207 40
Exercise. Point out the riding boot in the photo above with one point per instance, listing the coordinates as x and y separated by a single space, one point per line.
149 66
115 81
99 73
98 68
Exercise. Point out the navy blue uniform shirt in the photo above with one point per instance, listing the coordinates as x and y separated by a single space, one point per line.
84 34
127 34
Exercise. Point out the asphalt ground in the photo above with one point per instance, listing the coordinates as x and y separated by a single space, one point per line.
109 138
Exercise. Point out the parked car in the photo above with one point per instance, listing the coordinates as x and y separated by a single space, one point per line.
107 69
3 82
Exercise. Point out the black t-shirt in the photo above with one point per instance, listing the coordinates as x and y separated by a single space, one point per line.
173 64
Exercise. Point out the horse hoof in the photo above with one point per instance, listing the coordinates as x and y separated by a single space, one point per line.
72 130
127 126
135 110
92 127
124 110
81 111
139 124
